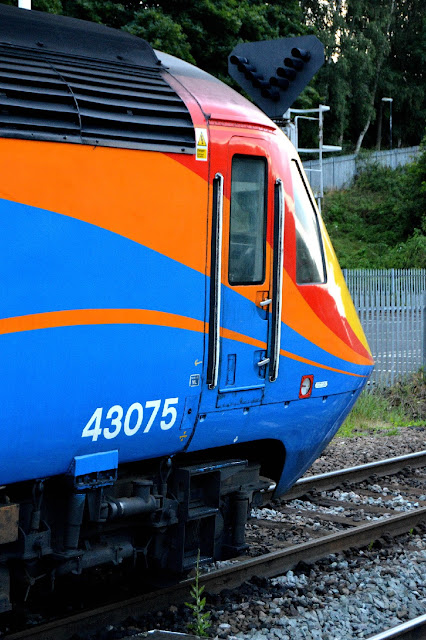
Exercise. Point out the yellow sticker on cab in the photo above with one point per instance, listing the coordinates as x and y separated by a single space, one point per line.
202 141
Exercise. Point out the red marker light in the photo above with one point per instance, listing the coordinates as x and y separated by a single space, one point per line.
306 386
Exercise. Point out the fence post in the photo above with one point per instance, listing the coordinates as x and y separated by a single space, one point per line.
424 330
394 320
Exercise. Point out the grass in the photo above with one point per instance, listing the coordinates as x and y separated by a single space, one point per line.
384 411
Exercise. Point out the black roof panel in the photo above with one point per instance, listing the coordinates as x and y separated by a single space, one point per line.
69 80
36 29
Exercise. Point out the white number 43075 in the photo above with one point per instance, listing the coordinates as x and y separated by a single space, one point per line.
132 420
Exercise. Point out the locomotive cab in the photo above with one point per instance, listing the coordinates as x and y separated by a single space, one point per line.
176 332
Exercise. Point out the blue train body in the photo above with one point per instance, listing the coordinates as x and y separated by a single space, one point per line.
176 334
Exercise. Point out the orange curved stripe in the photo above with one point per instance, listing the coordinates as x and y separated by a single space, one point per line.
81 317
241 337
293 356
84 317
234 335
298 315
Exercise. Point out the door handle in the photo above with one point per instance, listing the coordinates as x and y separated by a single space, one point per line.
264 303
263 362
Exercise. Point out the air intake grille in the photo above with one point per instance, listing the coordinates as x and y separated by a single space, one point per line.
66 98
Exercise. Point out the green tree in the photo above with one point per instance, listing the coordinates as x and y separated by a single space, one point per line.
403 76
111 13
356 35
203 32
50 6
162 32
214 27
374 48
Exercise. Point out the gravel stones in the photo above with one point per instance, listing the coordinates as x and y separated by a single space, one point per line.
353 594
344 596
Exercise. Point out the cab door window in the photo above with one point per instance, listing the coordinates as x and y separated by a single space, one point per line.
247 229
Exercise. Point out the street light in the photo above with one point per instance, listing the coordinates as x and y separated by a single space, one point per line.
390 100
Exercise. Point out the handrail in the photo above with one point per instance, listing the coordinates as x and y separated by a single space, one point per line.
215 283
277 281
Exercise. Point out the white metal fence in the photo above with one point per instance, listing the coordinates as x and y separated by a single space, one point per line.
391 304
339 171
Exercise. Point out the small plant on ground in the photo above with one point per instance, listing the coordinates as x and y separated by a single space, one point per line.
200 618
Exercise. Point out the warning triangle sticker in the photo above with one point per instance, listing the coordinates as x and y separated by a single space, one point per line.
201 141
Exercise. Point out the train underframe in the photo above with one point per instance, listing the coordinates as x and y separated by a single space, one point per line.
156 516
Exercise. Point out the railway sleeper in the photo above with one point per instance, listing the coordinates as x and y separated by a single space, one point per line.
161 520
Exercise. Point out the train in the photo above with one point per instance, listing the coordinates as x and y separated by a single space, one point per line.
176 333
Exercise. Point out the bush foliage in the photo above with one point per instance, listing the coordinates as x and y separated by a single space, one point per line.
380 222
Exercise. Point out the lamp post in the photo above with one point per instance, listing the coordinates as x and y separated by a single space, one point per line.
390 100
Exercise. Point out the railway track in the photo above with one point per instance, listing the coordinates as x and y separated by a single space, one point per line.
352 475
412 630
350 535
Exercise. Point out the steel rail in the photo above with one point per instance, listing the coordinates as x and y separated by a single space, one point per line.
267 566
412 630
330 480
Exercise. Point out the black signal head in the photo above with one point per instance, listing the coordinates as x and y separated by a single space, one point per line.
270 93
303 54
282 83
290 63
237 60
285 72
294 63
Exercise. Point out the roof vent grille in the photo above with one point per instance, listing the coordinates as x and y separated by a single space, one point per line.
64 98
